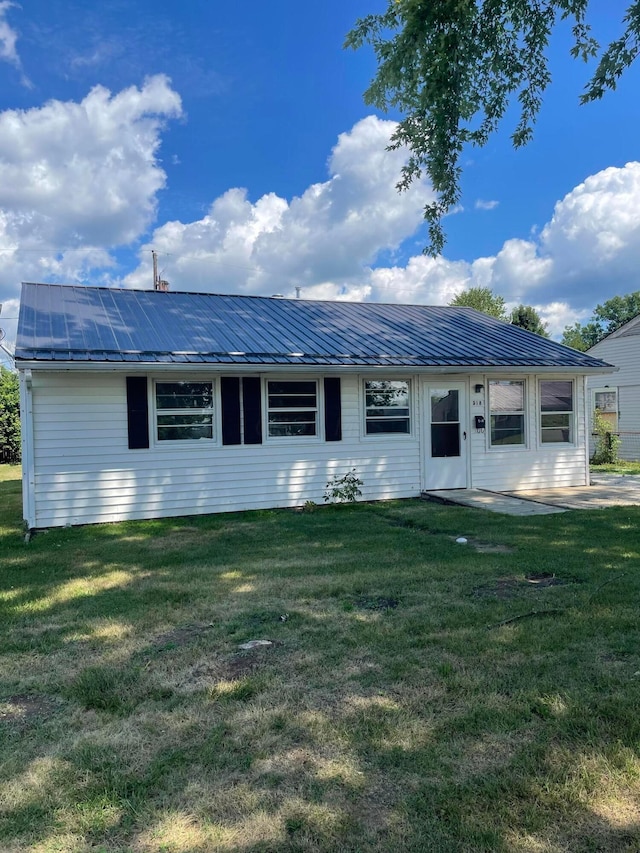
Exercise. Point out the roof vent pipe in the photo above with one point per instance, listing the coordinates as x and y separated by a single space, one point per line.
158 283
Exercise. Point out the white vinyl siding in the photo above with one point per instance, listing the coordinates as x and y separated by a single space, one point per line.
537 466
624 353
85 472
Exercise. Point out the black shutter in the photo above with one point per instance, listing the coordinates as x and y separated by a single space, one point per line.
230 392
332 409
252 410
137 412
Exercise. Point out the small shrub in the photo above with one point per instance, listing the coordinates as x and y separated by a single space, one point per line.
607 443
345 489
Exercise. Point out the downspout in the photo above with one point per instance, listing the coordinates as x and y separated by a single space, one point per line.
587 429
26 433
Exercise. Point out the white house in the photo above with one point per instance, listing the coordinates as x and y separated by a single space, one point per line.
618 396
144 404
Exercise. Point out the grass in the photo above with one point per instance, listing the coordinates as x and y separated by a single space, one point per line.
619 467
392 712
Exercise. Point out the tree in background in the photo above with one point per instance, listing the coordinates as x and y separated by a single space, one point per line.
9 417
528 318
608 317
483 299
452 68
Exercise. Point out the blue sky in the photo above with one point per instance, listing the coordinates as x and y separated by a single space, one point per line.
233 139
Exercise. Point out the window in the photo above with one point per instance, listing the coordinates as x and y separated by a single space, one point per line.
387 407
556 411
605 400
292 408
184 411
506 401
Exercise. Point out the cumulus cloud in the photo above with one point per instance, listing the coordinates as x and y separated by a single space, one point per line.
481 204
324 240
587 252
77 179
329 239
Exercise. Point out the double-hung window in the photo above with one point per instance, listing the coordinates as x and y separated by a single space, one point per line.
507 408
556 411
292 408
387 408
184 410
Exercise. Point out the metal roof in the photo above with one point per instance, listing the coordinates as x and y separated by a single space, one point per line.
100 324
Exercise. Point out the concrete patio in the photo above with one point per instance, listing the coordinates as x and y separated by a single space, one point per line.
606 490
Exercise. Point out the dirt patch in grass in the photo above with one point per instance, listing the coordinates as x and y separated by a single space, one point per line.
379 602
25 708
544 579
514 585
179 637
489 547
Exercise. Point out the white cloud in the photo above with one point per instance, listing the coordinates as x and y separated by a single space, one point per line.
323 240
587 252
8 36
8 41
327 240
481 204
77 179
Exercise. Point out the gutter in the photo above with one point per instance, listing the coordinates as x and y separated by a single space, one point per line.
132 367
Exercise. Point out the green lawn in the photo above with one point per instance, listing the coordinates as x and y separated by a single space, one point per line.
619 467
393 711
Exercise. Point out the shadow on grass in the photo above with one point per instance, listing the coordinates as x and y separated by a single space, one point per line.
361 728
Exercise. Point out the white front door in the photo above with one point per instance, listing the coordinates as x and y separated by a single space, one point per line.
445 445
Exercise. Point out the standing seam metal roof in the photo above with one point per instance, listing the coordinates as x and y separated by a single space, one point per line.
97 324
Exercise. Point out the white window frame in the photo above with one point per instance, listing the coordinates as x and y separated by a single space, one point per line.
318 409
572 414
386 436
510 448
214 410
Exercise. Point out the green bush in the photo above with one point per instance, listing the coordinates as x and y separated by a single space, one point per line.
9 417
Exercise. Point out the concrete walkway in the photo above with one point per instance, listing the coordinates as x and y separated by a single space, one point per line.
493 501
605 491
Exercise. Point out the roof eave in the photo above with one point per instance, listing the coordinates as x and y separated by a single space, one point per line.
266 367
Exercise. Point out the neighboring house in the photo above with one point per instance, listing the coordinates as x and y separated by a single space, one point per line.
618 396
143 404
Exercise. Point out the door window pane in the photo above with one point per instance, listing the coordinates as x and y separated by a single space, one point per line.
445 440
444 406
